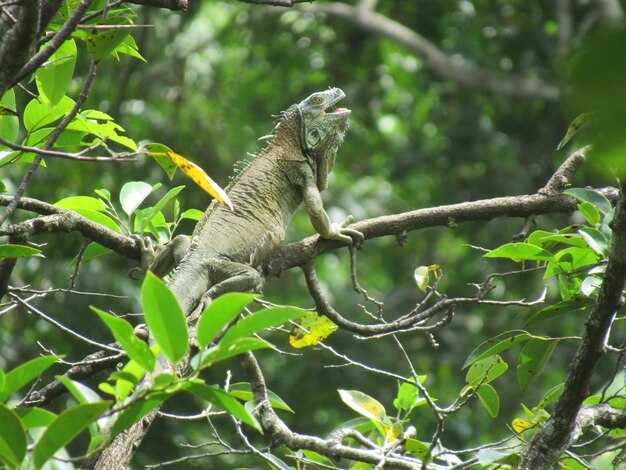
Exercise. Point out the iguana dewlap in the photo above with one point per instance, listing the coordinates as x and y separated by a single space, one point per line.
227 245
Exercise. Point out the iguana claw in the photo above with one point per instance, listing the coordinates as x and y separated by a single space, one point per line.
347 235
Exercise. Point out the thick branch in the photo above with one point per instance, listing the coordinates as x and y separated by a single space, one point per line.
18 41
64 221
465 74
558 432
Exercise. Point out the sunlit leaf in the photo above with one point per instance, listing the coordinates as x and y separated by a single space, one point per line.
53 79
133 194
261 320
24 373
35 417
192 170
520 425
64 428
81 202
220 313
520 251
312 329
9 123
124 334
164 317
364 404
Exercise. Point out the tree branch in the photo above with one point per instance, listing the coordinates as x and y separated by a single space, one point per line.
558 432
174 5
466 75
279 433
61 220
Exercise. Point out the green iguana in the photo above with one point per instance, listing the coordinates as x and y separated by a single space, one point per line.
226 245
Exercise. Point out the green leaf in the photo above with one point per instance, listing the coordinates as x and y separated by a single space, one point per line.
54 78
489 398
135 412
224 401
156 149
101 42
207 358
591 196
532 359
129 47
408 397
124 334
485 370
93 250
103 131
259 321
24 373
99 218
578 304
570 259
520 251
496 344
364 405
192 214
243 391
164 317
596 240
219 314
127 379
589 212
39 113
590 285
81 202
35 417
573 128
9 123
551 396
12 438
64 428
18 251
133 194
417 448
2 380
548 239
83 395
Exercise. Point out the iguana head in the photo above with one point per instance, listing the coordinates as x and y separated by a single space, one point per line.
322 131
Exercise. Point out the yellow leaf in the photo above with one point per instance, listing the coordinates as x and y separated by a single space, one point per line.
198 176
422 275
364 405
521 425
313 329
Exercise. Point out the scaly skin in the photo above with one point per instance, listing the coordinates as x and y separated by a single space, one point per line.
293 168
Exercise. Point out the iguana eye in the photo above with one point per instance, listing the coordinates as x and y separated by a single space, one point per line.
313 138
317 99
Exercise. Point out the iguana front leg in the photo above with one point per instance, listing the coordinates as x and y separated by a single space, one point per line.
321 222
161 259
